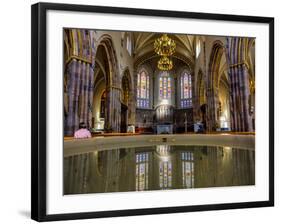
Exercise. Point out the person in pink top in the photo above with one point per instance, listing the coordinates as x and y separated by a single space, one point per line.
82 132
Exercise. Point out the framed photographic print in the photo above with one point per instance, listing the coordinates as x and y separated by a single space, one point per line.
138 111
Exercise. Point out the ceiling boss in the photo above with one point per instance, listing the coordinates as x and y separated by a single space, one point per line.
165 47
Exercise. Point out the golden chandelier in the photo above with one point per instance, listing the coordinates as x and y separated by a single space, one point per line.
165 47
165 64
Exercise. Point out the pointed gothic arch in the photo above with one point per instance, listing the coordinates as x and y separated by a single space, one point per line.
107 63
213 84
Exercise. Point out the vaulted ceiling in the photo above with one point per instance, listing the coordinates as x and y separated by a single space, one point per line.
144 47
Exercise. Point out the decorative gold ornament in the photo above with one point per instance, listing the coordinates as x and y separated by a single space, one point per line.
165 46
252 86
165 64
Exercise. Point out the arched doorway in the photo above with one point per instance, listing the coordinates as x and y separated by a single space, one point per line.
224 97
106 97
101 72
218 87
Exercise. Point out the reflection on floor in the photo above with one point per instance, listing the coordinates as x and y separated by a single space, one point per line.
157 168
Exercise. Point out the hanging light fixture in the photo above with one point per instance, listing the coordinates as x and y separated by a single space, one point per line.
165 47
165 64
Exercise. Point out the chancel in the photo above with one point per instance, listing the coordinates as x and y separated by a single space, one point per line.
134 83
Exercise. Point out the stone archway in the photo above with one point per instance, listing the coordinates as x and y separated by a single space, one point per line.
216 91
107 80
101 81
224 105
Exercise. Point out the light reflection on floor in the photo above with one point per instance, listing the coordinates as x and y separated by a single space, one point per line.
158 168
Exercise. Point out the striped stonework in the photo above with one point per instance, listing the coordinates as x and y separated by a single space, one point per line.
239 85
79 76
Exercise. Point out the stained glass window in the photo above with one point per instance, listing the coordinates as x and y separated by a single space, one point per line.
141 171
165 88
161 87
186 90
143 90
187 169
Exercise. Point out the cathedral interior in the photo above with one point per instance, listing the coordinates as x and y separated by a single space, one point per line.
131 83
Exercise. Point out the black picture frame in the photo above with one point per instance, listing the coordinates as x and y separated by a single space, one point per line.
39 114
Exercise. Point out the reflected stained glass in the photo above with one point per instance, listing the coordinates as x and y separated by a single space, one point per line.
164 169
141 171
165 174
187 169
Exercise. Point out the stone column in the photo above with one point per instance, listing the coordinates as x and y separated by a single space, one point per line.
239 98
239 85
211 109
79 87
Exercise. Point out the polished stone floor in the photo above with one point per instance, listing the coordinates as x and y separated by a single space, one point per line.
158 167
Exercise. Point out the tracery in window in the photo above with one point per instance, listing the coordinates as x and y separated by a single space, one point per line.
165 88
143 90
186 90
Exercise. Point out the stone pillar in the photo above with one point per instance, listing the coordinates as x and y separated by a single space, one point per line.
211 117
79 95
79 72
113 118
195 100
239 85
239 98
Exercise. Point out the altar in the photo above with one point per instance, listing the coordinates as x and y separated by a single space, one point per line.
164 129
